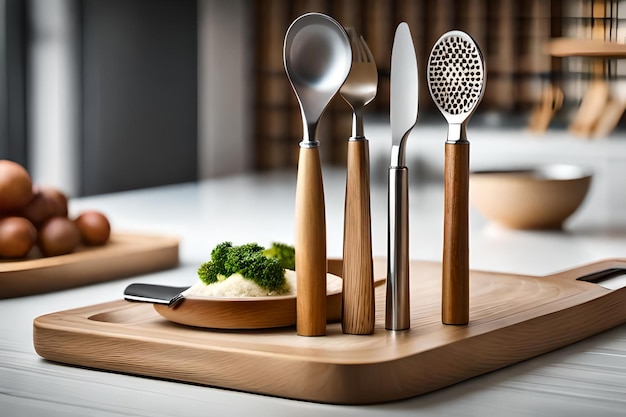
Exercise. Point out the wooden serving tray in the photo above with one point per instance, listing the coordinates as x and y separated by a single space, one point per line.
513 317
124 255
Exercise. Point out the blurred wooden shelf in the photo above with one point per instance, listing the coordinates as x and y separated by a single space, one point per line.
564 47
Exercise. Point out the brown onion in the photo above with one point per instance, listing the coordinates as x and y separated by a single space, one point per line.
16 186
58 236
94 227
17 237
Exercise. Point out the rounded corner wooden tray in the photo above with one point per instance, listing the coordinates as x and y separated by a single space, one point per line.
512 318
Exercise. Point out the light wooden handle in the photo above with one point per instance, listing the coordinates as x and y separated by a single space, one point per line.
358 277
455 265
310 245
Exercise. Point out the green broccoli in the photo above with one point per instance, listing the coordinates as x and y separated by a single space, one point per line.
214 270
249 260
286 254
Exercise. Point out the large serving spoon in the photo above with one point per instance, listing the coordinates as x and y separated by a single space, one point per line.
318 58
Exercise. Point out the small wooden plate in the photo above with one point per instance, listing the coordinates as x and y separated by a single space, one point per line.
252 312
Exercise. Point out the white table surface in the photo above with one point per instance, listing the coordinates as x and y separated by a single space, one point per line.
585 379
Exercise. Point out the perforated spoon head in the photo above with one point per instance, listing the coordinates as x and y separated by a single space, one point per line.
317 57
456 76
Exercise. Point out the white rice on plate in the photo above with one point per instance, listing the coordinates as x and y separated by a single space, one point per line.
238 286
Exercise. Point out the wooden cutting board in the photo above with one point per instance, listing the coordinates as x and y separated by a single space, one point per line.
513 318
124 255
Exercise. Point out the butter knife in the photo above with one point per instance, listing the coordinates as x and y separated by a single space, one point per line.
403 117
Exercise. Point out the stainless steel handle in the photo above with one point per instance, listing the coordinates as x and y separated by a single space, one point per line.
397 311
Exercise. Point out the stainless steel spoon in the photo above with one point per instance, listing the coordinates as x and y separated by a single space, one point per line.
318 57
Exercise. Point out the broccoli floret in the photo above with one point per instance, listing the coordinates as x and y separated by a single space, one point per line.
247 260
286 254
220 252
240 257
214 270
209 273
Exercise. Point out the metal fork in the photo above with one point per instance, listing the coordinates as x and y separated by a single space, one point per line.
358 90
360 87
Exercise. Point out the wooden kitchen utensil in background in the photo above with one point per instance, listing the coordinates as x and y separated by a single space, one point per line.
591 107
610 118
613 111
551 102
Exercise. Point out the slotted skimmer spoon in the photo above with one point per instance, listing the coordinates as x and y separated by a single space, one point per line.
358 275
317 57
456 80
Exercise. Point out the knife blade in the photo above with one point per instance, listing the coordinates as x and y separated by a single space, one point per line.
403 106
403 117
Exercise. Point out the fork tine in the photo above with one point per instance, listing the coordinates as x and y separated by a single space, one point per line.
367 52
362 52
354 43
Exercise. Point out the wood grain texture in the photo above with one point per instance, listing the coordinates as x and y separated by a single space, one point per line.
124 255
310 245
455 274
514 317
358 274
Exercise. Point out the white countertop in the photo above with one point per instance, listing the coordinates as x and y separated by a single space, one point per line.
587 378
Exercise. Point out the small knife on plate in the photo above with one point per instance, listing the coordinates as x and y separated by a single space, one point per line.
155 294
403 117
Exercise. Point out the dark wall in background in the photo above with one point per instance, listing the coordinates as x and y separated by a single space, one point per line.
12 81
139 66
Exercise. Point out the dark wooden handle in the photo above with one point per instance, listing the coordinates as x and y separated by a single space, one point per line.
310 245
455 264
358 277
